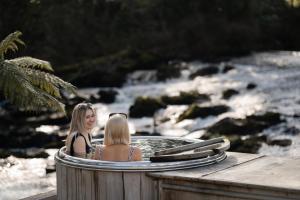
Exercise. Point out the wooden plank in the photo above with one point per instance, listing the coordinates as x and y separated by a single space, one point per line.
101 185
189 146
58 180
188 155
185 156
233 159
79 185
132 186
71 183
88 184
266 172
149 188
110 185
63 192
169 194
223 191
208 147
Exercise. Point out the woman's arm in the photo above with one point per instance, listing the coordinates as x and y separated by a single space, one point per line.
79 147
96 155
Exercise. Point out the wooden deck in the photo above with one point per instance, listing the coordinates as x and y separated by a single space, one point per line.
240 176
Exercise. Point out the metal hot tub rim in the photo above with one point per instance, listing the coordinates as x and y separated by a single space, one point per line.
89 164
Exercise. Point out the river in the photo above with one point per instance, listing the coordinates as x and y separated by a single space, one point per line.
276 74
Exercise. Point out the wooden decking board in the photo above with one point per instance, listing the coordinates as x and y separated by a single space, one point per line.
222 192
276 172
232 160
262 175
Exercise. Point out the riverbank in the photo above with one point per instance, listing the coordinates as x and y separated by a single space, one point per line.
259 84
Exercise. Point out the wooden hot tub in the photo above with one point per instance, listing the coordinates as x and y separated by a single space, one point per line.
86 179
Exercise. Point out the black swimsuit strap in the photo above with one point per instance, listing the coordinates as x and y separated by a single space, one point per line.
87 146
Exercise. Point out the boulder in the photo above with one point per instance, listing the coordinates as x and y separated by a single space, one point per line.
280 142
207 71
167 71
24 153
251 86
145 107
227 68
104 96
195 111
250 125
249 144
227 94
26 137
185 98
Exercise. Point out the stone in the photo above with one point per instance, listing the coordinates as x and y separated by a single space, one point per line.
145 107
207 71
227 94
195 111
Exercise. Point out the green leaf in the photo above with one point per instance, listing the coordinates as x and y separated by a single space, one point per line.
29 62
10 43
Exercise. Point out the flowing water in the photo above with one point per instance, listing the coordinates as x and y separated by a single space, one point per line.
276 74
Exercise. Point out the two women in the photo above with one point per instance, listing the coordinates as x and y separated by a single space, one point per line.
116 139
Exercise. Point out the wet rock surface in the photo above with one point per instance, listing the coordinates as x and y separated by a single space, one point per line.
227 94
250 125
195 111
24 153
207 71
168 71
145 106
104 96
185 98
280 142
251 86
228 68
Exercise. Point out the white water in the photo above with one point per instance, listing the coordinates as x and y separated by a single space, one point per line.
276 74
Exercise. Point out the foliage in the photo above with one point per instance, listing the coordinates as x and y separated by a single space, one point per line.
28 82
72 31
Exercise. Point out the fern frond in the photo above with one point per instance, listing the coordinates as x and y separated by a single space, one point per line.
48 82
29 62
17 88
10 43
28 82
42 80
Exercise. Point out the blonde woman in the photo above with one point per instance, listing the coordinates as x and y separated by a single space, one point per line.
83 120
117 141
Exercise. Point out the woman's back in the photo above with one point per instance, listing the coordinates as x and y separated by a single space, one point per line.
120 152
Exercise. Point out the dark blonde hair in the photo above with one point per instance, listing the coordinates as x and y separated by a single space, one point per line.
116 130
78 117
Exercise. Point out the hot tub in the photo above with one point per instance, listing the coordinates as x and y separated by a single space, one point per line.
79 178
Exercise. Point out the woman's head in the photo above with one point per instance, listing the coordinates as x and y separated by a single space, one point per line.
116 130
83 118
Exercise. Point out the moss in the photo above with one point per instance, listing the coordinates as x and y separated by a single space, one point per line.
145 107
195 111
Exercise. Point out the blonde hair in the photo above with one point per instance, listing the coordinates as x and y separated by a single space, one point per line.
116 130
78 117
